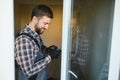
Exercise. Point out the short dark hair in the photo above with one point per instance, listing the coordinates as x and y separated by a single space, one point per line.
42 10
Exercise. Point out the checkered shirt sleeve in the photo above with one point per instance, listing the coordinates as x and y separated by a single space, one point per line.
81 49
25 53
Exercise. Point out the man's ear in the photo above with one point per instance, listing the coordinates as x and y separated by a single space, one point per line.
35 20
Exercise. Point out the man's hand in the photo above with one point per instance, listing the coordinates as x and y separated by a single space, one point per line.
53 51
50 49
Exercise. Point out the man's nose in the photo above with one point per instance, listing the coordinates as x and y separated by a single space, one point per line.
46 26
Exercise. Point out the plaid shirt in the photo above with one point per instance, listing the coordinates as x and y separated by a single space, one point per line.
80 48
26 51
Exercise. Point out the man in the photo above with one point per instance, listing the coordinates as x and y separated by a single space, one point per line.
30 53
80 52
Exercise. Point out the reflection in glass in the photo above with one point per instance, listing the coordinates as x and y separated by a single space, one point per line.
79 52
91 25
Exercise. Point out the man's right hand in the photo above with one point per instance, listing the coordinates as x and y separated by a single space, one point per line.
53 51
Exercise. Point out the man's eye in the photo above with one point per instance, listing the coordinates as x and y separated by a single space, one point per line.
45 23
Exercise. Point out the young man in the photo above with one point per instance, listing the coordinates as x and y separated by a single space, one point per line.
30 53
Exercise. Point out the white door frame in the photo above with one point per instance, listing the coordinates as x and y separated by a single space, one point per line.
6 40
115 44
65 38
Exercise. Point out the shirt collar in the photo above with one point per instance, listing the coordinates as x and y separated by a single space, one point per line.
28 30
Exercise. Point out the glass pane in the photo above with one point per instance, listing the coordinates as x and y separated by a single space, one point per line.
91 29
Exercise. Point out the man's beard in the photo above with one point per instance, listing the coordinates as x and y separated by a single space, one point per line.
39 31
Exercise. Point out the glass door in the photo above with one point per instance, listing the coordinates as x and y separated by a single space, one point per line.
91 39
87 37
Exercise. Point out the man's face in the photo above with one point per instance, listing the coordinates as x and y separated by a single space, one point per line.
74 23
42 24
